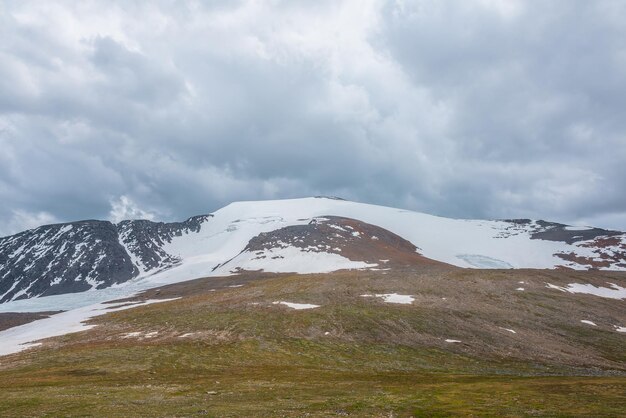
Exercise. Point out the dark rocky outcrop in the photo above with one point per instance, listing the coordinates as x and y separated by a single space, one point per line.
79 256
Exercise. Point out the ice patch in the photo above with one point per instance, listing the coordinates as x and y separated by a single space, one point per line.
298 306
613 292
484 262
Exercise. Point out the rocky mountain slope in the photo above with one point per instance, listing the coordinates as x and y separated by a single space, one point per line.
84 255
309 235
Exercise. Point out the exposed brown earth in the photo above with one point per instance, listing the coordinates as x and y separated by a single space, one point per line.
585 261
14 319
199 286
610 251
604 242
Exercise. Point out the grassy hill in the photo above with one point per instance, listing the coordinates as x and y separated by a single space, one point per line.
220 350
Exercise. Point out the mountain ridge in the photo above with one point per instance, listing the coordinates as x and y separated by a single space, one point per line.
91 254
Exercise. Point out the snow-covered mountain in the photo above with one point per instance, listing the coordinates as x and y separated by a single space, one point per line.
299 235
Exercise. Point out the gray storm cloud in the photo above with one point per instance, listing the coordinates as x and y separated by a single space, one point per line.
485 109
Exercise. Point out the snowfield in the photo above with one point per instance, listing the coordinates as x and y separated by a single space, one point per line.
464 243
293 260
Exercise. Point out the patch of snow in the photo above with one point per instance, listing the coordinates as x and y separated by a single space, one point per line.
188 334
132 334
452 341
613 292
585 321
509 330
297 306
337 227
619 329
577 228
521 289
393 298
293 260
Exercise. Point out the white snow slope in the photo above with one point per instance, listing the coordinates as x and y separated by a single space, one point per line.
464 243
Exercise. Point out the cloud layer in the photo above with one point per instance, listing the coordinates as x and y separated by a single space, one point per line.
486 109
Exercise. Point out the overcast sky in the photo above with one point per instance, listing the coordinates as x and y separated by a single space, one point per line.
472 109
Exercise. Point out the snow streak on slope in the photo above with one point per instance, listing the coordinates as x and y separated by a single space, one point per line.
614 291
144 241
21 338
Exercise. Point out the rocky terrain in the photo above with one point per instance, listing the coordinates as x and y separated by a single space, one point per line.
80 256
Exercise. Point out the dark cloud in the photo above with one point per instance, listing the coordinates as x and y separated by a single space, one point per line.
483 109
